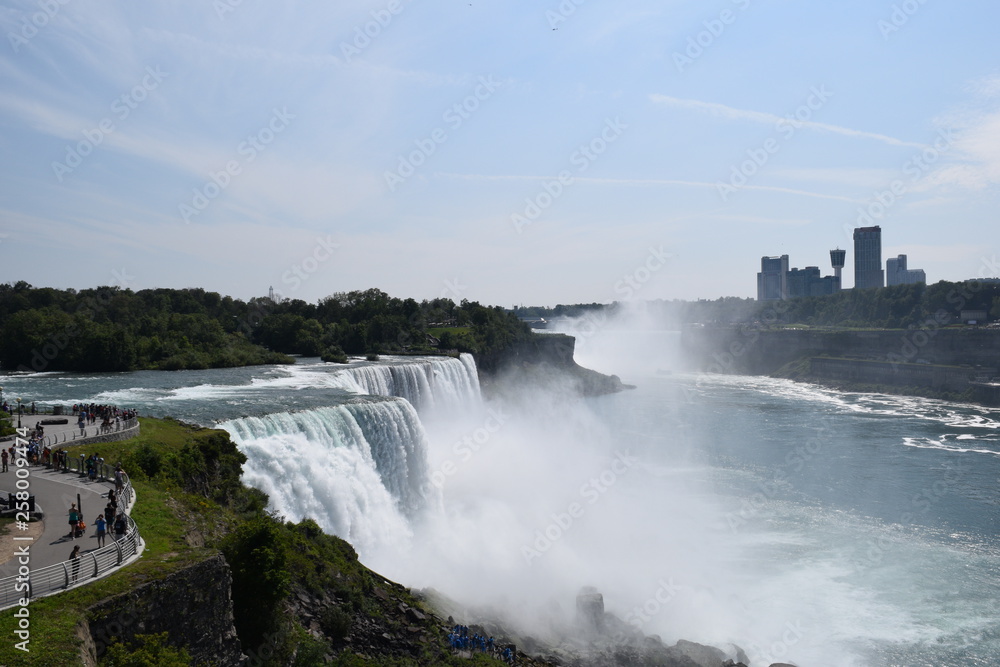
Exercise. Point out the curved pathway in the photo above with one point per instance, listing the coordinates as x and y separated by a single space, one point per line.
54 490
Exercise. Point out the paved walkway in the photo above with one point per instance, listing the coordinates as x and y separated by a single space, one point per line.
61 435
54 490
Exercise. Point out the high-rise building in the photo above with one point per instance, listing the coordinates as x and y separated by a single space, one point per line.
808 282
893 266
896 272
868 258
838 258
772 281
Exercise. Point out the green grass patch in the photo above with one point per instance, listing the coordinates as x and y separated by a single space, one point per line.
190 506
438 331
167 517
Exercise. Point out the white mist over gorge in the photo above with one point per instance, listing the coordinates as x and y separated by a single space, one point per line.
732 511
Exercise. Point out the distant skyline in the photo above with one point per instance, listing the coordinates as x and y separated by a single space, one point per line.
508 153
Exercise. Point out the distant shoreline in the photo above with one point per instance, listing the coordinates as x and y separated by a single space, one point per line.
952 364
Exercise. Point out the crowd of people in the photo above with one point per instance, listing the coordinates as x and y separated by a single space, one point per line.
460 639
112 519
12 409
110 416
39 454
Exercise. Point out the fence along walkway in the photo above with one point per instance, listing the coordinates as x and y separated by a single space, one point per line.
81 435
87 567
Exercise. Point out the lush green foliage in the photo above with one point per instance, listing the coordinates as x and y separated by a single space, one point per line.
6 424
147 651
112 329
897 307
257 556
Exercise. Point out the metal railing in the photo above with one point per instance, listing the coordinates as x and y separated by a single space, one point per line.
98 430
87 567
102 471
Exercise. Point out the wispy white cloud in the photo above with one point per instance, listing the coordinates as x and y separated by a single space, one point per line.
974 164
732 113
761 220
648 182
858 177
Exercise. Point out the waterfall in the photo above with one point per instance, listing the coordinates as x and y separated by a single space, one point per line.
359 469
436 383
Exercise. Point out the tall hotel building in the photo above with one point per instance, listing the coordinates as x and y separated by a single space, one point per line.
868 258
772 281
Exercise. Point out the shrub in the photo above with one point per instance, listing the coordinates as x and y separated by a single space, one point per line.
334 354
336 623
147 651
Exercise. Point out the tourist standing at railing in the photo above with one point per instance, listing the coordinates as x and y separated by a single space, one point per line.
3 458
75 559
119 479
120 527
109 513
101 526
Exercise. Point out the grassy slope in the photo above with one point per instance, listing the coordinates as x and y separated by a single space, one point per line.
54 619
176 525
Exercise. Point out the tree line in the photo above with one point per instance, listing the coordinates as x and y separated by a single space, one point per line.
895 307
116 329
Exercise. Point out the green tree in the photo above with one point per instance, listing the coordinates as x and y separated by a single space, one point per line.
256 556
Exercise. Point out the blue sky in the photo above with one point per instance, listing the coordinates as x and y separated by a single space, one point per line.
513 153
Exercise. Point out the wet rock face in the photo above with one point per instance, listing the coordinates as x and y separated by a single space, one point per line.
590 610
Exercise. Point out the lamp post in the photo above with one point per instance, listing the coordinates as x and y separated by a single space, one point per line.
1 397
19 413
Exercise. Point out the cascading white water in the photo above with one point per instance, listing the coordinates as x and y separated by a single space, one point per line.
806 525
439 383
359 469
